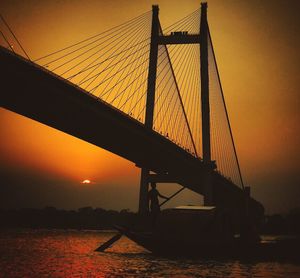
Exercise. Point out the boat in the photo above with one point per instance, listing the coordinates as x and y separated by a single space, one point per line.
206 232
184 229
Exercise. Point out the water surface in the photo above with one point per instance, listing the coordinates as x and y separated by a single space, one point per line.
70 253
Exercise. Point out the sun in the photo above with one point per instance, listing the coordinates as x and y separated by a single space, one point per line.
86 181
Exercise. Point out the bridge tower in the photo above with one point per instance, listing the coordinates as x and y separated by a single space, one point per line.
144 182
183 38
206 148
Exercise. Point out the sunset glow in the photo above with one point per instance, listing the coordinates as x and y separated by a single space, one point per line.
258 73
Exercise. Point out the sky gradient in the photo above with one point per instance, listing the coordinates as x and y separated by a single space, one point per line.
257 50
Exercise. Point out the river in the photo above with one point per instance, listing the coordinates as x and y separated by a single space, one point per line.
70 253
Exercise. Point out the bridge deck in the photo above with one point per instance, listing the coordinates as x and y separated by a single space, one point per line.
34 92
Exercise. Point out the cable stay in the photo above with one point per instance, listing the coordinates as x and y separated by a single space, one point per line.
180 99
227 156
113 29
14 36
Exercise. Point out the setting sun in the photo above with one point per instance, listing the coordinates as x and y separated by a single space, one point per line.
86 181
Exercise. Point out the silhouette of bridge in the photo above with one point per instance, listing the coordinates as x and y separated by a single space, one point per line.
150 95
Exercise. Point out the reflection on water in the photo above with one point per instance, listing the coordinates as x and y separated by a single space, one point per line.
43 253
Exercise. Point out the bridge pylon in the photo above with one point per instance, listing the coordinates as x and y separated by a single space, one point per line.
205 109
144 182
157 38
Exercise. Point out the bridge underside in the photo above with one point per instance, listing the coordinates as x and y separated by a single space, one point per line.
34 92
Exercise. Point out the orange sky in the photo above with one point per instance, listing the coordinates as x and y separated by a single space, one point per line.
257 49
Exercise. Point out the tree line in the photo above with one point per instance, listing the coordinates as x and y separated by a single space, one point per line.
101 219
53 218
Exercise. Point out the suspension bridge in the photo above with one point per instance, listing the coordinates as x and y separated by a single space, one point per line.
149 94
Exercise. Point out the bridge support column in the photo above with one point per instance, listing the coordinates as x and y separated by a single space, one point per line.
208 185
152 68
204 85
144 186
143 200
207 180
